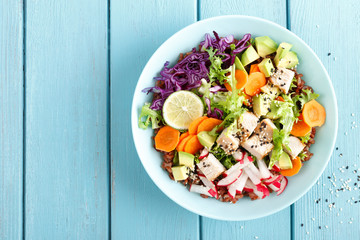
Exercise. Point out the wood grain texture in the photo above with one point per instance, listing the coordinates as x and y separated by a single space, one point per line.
139 209
67 187
11 119
276 226
333 27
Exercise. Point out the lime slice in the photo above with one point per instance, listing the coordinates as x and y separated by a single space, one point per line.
181 108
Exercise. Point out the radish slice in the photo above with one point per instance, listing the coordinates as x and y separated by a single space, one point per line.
204 153
276 167
264 171
284 183
263 189
238 155
229 179
200 189
210 185
249 186
274 178
273 187
238 185
254 169
254 177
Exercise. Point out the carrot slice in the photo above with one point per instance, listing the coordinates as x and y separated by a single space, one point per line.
314 114
183 135
255 82
300 128
208 124
181 144
254 68
280 98
241 80
167 139
194 124
193 145
294 170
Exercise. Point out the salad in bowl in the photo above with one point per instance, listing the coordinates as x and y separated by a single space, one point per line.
233 117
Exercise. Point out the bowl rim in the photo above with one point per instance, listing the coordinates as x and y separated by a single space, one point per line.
134 121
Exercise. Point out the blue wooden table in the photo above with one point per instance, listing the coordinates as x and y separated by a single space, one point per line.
68 166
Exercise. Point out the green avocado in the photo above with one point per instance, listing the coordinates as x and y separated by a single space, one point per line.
273 112
261 104
282 50
249 56
289 61
180 173
265 46
206 139
266 67
271 90
285 161
238 64
186 159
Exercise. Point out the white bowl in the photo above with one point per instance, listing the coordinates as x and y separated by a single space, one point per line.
315 75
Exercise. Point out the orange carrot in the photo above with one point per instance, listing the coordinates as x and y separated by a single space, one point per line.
314 114
208 124
194 124
254 68
193 145
294 170
241 80
167 139
300 128
255 82
280 98
183 135
181 144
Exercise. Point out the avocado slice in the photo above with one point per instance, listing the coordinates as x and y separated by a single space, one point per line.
186 159
238 64
266 67
285 161
206 139
180 173
249 56
273 113
289 61
271 90
265 46
261 104
282 50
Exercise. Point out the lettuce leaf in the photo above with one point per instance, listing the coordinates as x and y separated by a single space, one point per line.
300 100
305 138
215 70
150 116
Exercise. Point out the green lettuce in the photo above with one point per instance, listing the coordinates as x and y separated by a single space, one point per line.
300 100
148 115
215 70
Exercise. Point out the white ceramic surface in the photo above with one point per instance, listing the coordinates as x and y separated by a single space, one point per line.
315 75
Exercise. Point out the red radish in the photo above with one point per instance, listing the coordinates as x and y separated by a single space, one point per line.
263 189
229 179
238 155
274 188
264 171
274 178
254 169
250 159
238 185
249 186
253 176
204 153
276 167
200 189
210 185
284 183
277 183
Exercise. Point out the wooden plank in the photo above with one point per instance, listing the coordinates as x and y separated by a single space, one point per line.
334 30
11 119
278 225
139 209
67 169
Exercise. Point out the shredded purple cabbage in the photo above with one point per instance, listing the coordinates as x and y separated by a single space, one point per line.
217 113
187 73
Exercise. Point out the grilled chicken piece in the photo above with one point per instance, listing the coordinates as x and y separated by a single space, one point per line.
295 147
260 144
211 167
228 141
247 122
282 78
